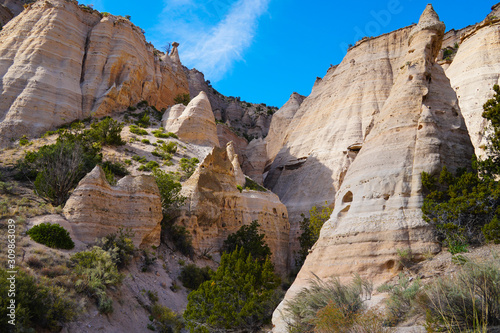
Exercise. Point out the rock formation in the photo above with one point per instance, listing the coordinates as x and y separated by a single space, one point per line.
96 209
279 124
246 118
377 211
9 9
216 208
79 63
474 71
194 123
255 160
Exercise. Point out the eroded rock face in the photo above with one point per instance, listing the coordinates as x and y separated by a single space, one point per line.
9 9
248 118
194 123
474 71
59 62
96 209
215 207
377 210
279 124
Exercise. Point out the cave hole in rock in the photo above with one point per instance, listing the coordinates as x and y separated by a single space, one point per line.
347 197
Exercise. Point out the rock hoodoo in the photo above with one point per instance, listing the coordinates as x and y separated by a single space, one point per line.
60 62
194 123
377 206
216 208
96 209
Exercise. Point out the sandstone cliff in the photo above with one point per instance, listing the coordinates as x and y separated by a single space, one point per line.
96 209
60 62
216 208
419 127
194 123
474 71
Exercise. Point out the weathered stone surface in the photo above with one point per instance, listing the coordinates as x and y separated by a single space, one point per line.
474 71
255 160
59 62
246 118
226 135
9 9
215 208
194 123
377 206
279 124
338 113
96 209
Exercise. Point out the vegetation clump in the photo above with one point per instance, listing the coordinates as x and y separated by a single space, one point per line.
325 303
311 227
192 276
240 296
188 166
465 207
182 99
51 235
248 239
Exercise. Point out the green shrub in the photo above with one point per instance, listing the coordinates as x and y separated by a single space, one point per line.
303 308
116 168
24 141
166 320
136 130
146 141
106 132
249 240
182 99
58 168
180 237
165 151
170 190
311 227
143 121
147 260
468 300
402 298
39 305
96 271
52 235
240 296
142 104
110 176
5 188
188 166
140 159
120 246
160 133
250 184
151 165
491 231
192 276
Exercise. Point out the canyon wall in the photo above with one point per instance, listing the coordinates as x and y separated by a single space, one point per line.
60 61
216 208
419 127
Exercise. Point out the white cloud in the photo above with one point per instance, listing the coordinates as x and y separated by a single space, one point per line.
213 34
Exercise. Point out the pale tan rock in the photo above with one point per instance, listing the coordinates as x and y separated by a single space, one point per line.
215 208
473 72
96 209
59 62
378 205
255 161
195 123
279 124
226 135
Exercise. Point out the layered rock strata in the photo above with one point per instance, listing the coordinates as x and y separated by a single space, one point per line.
474 71
194 123
378 204
216 208
60 62
96 209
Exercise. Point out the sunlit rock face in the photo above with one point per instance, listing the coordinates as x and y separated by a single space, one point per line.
216 207
60 62
97 209
194 123
419 127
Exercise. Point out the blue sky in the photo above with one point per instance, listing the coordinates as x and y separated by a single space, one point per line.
263 50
